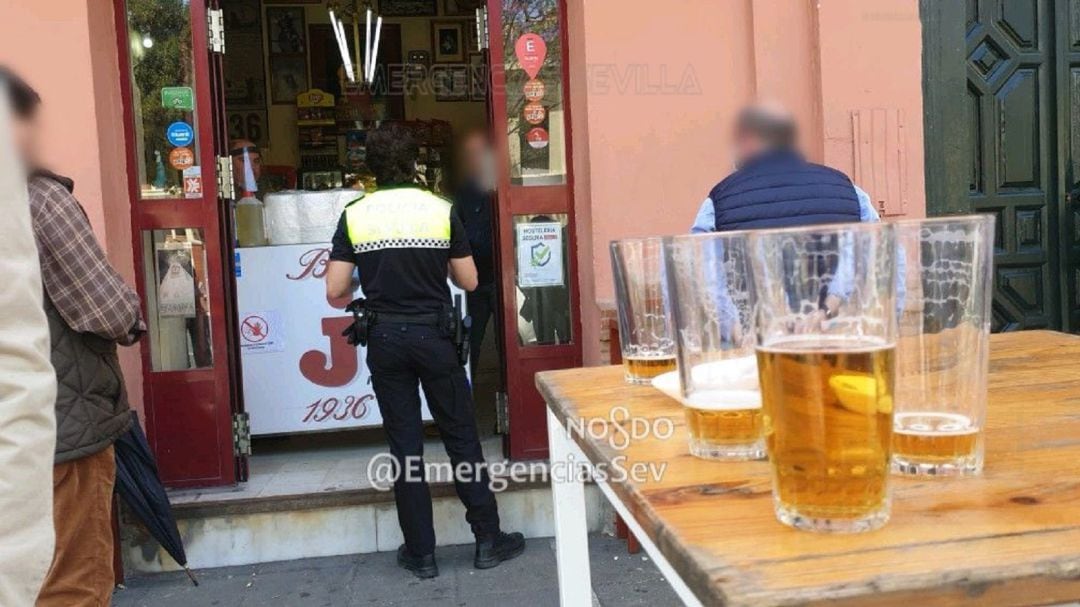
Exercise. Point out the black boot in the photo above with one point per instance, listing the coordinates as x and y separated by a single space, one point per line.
494 549
423 567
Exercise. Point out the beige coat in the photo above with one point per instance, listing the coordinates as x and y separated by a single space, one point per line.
27 393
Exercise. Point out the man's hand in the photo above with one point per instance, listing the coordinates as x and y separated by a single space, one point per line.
815 321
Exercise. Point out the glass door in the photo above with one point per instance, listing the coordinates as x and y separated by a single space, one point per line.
172 146
531 118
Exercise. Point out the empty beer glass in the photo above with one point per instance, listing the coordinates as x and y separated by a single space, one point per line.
826 339
709 278
645 330
943 345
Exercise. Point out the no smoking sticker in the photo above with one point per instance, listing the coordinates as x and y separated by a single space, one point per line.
261 332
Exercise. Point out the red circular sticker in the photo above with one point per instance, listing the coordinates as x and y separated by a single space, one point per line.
534 90
535 113
537 138
181 158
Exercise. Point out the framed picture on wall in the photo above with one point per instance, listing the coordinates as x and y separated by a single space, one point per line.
286 31
450 82
448 41
288 78
408 8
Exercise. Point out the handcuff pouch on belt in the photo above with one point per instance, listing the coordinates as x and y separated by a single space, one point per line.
357 333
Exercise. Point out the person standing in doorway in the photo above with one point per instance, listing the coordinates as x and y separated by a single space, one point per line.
90 311
27 379
404 240
473 200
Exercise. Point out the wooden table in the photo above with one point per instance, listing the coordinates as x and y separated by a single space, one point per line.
1009 537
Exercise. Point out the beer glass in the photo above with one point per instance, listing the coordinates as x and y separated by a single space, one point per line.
943 345
709 282
826 339
645 335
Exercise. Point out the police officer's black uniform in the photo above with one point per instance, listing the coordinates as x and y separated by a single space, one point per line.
401 240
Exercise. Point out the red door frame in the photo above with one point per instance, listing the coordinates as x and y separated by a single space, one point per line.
188 414
528 420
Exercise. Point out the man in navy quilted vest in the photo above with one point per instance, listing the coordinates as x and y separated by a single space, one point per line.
773 186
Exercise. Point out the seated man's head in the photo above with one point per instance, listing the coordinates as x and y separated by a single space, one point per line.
238 148
391 155
24 102
763 126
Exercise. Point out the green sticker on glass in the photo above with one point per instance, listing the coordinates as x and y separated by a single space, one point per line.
178 98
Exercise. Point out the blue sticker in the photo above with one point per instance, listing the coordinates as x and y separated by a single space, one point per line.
180 134
236 258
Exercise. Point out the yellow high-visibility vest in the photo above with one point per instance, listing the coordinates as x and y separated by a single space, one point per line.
398 218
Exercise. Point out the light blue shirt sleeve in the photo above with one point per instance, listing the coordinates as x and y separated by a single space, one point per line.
867 212
706 218
720 294
844 277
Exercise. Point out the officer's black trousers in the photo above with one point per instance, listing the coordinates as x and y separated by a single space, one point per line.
400 357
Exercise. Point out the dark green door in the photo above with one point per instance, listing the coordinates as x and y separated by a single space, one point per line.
1067 47
999 77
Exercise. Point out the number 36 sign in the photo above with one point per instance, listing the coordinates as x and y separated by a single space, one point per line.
248 124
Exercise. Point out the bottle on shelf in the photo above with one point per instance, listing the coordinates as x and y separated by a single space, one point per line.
250 226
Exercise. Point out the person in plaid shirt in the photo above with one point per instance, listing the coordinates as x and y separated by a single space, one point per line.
90 310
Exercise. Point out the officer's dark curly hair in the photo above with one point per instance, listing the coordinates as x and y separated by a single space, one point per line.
391 155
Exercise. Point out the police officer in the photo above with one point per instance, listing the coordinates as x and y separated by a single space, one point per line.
403 240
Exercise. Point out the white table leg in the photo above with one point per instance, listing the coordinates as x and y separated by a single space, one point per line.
571 527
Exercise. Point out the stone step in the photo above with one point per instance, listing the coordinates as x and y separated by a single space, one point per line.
242 529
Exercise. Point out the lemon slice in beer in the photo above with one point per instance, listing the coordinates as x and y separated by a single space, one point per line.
859 393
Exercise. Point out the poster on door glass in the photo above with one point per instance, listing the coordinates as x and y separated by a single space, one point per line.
539 254
176 276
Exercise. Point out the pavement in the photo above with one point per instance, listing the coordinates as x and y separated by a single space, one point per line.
619 579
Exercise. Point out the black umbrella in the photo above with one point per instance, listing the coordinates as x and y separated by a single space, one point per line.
137 481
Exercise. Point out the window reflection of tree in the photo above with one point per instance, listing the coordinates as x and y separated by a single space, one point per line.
536 17
166 60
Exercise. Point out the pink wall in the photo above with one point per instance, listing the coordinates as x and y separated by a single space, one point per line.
651 97
871 57
654 93
66 49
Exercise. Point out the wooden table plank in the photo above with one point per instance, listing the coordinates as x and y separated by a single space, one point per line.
1009 537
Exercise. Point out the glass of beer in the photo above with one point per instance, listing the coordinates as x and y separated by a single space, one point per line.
943 346
826 339
645 330
709 278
